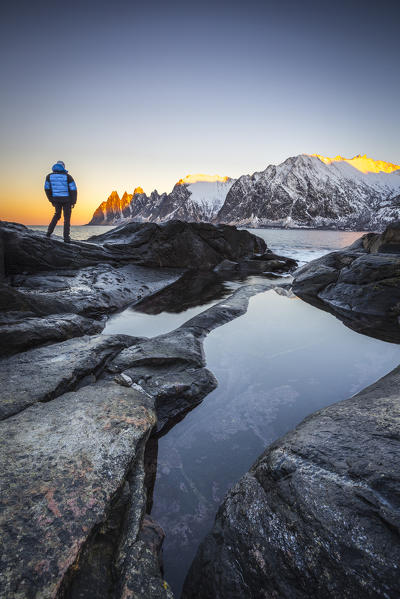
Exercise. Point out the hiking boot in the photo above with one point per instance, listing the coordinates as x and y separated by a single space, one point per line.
67 240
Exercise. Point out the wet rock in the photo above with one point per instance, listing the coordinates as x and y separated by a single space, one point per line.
40 374
179 346
141 571
180 244
65 467
46 307
360 284
123 558
268 263
176 389
28 332
174 244
227 266
16 304
171 369
225 311
318 513
386 242
95 290
27 251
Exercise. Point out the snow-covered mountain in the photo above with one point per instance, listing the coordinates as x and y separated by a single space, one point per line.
195 198
304 191
316 191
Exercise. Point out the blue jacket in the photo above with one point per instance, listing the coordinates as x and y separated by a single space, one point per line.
60 186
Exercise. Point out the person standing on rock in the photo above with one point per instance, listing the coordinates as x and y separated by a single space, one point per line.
61 191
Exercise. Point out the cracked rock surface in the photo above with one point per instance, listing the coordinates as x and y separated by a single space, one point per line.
63 464
318 514
73 491
41 374
77 411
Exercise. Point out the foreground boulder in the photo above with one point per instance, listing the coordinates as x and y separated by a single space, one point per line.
318 514
180 244
359 284
174 244
72 497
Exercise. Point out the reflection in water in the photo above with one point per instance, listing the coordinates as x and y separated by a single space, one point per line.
275 365
176 304
192 290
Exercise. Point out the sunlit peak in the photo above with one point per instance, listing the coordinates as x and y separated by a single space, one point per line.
362 163
138 190
201 177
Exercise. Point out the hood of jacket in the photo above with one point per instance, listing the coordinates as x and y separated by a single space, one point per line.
57 168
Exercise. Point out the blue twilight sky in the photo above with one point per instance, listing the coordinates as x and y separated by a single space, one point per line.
136 93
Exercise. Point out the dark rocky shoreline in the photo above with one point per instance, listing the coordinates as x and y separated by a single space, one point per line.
80 413
360 285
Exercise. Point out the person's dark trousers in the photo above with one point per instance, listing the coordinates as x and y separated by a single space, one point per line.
66 209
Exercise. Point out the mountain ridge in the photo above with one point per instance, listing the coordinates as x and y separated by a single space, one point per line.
304 191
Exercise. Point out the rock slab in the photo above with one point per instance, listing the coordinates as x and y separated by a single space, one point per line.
360 284
63 464
318 515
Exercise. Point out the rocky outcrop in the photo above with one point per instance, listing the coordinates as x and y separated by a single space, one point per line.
77 415
54 306
27 251
72 469
318 513
20 332
360 284
53 291
181 245
43 373
76 524
174 244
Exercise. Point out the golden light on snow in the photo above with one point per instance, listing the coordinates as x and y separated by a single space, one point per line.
138 190
362 163
201 177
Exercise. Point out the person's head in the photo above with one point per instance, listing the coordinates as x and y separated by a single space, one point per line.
59 167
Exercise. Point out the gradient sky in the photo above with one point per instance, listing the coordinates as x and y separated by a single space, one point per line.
143 93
